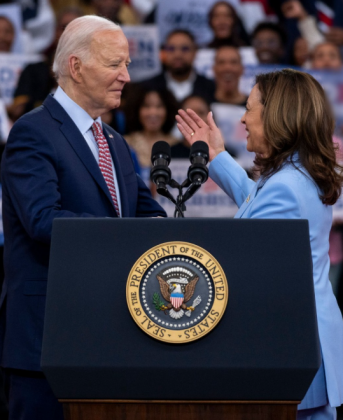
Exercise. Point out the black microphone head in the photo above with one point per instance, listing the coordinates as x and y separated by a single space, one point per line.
199 148
160 148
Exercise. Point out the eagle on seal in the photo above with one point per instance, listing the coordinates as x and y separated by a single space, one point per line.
176 297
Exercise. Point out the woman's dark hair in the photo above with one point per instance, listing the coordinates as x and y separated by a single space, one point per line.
239 36
135 101
192 96
297 119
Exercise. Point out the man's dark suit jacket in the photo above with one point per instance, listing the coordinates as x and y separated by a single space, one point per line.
202 86
49 171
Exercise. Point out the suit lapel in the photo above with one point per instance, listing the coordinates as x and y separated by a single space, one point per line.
113 146
77 142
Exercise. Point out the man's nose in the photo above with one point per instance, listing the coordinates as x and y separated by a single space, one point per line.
124 75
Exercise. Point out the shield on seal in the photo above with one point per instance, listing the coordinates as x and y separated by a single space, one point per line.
176 299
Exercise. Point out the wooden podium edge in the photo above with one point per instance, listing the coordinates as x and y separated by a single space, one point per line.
91 409
91 401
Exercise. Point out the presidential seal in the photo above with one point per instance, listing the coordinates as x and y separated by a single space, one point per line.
177 292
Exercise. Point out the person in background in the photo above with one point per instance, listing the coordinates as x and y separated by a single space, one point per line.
202 108
328 27
269 41
144 7
116 11
150 118
336 236
228 70
301 52
37 81
38 24
179 75
7 34
306 23
226 26
326 56
3 401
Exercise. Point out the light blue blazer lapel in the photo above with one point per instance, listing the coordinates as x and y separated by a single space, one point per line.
120 178
243 210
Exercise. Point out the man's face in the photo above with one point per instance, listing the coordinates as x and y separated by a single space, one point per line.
227 68
6 35
179 54
268 47
102 78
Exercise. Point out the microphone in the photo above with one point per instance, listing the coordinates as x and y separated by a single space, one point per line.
160 158
198 171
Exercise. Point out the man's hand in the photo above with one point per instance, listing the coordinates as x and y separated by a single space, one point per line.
293 9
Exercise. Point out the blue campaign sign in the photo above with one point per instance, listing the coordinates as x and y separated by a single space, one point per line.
189 14
10 68
144 51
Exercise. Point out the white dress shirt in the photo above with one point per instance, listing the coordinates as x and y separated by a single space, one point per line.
84 122
181 89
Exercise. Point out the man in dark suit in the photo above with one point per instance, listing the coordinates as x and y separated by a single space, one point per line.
179 75
61 161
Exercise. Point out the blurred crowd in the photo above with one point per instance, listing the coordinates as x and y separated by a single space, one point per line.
306 34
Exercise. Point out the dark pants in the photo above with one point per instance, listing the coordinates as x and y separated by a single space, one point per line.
30 396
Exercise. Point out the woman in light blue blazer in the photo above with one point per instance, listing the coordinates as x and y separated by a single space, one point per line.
289 126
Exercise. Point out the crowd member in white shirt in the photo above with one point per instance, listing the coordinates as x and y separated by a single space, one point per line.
179 75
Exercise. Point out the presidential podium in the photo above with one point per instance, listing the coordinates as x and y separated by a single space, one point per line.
256 363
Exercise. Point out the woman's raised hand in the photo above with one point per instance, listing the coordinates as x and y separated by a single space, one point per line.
193 128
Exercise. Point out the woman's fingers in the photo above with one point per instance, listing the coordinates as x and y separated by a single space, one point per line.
211 122
189 120
185 134
183 123
195 117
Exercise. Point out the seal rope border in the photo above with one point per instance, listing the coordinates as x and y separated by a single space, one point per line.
164 334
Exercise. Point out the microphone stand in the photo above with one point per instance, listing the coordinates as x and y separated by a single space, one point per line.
180 206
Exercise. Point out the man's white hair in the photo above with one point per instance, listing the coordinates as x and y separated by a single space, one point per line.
76 39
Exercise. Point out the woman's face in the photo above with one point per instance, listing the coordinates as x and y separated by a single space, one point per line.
301 51
222 21
6 35
252 119
152 113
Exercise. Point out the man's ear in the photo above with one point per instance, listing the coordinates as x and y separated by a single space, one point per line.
75 65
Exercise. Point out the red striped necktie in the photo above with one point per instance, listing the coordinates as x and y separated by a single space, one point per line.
105 162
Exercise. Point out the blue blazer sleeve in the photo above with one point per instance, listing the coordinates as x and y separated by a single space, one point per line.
231 177
29 169
146 205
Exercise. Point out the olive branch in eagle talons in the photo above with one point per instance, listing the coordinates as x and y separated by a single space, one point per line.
176 298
